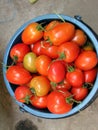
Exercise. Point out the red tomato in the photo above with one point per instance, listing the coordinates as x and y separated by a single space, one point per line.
68 51
18 75
32 33
75 77
39 102
61 33
51 25
79 93
19 51
40 85
36 48
57 103
90 75
23 94
49 50
42 63
86 60
56 71
80 37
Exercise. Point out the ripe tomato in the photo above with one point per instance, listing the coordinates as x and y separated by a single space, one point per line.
36 48
56 71
29 62
61 33
80 37
40 85
68 51
23 94
75 77
86 60
51 25
57 103
49 50
39 101
32 33
18 75
90 75
79 93
19 50
63 85
42 63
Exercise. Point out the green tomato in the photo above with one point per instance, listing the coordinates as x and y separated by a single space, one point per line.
29 62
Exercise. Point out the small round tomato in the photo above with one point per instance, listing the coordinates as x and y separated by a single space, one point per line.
90 75
23 94
75 77
42 63
39 101
40 85
61 33
68 51
32 33
19 51
29 62
80 37
56 71
57 103
79 93
49 50
18 75
36 48
86 60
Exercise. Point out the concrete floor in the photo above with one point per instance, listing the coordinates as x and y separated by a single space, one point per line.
15 14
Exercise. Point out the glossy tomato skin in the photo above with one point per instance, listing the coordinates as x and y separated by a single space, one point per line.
18 75
19 50
29 62
42 63
68 51
40 85
79 93
23 94
90 75
56 71
86 60
49 50
61 33
57 104
31 34
75 78
36 48
39 102
80 37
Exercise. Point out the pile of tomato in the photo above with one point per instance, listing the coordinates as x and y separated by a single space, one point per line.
54 66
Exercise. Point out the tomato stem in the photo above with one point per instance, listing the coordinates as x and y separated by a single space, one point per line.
40 27
60 17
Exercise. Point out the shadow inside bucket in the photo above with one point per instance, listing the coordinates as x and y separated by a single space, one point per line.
25 125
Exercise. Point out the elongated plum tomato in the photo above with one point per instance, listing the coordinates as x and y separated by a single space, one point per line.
86 60
61 33
29 62
80 37
56 71
57 103
42 63
32 33
18 75
68 51
19 51
40 85
23 94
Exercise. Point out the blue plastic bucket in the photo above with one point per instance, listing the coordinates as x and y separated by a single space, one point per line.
16 38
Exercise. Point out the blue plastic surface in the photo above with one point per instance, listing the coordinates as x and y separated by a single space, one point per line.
14 39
